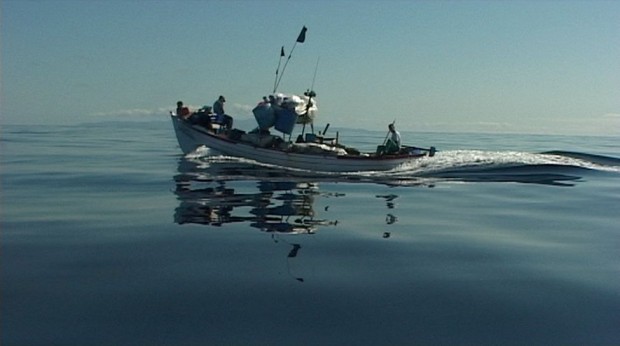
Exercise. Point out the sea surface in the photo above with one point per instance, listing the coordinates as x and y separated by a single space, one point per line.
110 236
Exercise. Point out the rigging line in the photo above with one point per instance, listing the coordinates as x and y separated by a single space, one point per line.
284 68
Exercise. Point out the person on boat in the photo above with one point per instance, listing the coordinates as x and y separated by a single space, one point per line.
182 111
220 114
218 105
393 143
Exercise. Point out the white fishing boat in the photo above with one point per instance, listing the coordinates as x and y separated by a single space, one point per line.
309 151
307 155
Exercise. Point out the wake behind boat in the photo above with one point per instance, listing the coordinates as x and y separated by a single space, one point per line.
309 151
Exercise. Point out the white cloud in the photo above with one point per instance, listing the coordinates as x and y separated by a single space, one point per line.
241 109
235 109
135 112
611 115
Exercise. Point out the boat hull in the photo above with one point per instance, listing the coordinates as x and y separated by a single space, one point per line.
190 137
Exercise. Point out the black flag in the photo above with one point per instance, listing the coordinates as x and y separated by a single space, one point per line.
282 51
302 35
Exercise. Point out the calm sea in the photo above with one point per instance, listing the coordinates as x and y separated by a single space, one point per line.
111 237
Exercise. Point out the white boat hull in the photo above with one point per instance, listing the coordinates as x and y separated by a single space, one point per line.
190 137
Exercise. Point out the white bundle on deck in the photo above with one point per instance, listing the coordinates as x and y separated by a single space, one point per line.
297 110
305 108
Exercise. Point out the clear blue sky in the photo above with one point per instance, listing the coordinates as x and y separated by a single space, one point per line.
489 66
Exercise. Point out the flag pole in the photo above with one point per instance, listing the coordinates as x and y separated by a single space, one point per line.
300 39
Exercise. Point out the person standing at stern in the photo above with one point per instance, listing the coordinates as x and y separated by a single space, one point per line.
393 143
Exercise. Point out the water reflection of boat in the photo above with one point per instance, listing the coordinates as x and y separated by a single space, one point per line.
207 197
212 205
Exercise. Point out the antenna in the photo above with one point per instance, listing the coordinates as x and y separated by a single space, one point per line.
316 68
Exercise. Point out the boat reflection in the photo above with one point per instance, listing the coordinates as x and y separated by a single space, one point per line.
217 193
